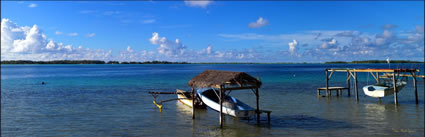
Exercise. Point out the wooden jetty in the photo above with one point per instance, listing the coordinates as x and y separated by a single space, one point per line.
225 82
388 73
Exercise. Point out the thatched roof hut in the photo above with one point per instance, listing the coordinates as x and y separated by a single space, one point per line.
228 79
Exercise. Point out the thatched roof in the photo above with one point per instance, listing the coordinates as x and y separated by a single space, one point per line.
214 78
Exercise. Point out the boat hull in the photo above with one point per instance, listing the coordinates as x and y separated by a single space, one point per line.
377 91
231 106
183 98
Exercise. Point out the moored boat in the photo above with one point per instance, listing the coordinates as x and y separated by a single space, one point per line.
184 97
382 89
231 105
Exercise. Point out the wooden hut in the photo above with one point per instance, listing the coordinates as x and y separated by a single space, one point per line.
226 81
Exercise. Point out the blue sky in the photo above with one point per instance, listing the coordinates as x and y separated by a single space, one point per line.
213 31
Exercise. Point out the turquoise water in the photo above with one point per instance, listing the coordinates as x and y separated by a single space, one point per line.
112 100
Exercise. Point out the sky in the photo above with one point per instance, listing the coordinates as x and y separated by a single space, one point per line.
212 31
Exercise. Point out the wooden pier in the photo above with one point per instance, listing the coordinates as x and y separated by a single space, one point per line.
388 73
225 82
338 90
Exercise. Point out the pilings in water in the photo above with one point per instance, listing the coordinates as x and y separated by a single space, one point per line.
356 87
415 86
348 83
258 105
221 106
395 89
327 84
390 73
193 102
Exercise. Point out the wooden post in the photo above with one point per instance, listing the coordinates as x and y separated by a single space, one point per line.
318 92
348 83
377 76
395 89
221 106
356 88
193 103
327 83
415 86
258 105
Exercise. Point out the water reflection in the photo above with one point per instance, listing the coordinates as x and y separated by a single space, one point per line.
306 122
375 112
183 109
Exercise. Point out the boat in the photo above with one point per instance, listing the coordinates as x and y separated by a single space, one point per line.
383 89
231 106
184 97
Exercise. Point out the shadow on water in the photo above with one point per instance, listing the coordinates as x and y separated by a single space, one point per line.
420 102
304 122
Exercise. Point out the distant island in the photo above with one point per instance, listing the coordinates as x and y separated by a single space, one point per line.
372 62
168 62
85 62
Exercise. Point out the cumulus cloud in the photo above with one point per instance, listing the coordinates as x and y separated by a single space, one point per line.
32 5
344 44
91 35
198 3
20 39
259 23
129 49
329 44
167 47
209 49
292 46
29 43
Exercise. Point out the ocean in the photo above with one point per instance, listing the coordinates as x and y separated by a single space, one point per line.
113 100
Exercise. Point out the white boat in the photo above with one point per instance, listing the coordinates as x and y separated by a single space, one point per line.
184 97
383 89
231 105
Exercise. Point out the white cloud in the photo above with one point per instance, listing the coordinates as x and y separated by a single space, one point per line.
58 33
167 47
91 35
148 21
198 3
129 49
73 34
259 23
292 46
32 5
209 49
29 43
332 43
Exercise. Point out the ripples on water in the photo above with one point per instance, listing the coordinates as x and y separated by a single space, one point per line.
112 100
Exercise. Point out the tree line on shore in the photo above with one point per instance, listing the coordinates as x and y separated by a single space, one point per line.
372 62
86 62
168 62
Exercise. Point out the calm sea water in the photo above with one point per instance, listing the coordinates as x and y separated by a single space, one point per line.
112 100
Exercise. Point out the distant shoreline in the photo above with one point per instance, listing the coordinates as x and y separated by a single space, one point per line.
168 62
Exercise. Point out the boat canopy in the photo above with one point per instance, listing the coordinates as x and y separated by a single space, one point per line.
231 80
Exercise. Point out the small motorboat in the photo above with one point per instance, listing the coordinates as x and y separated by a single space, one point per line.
383 89
231 105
